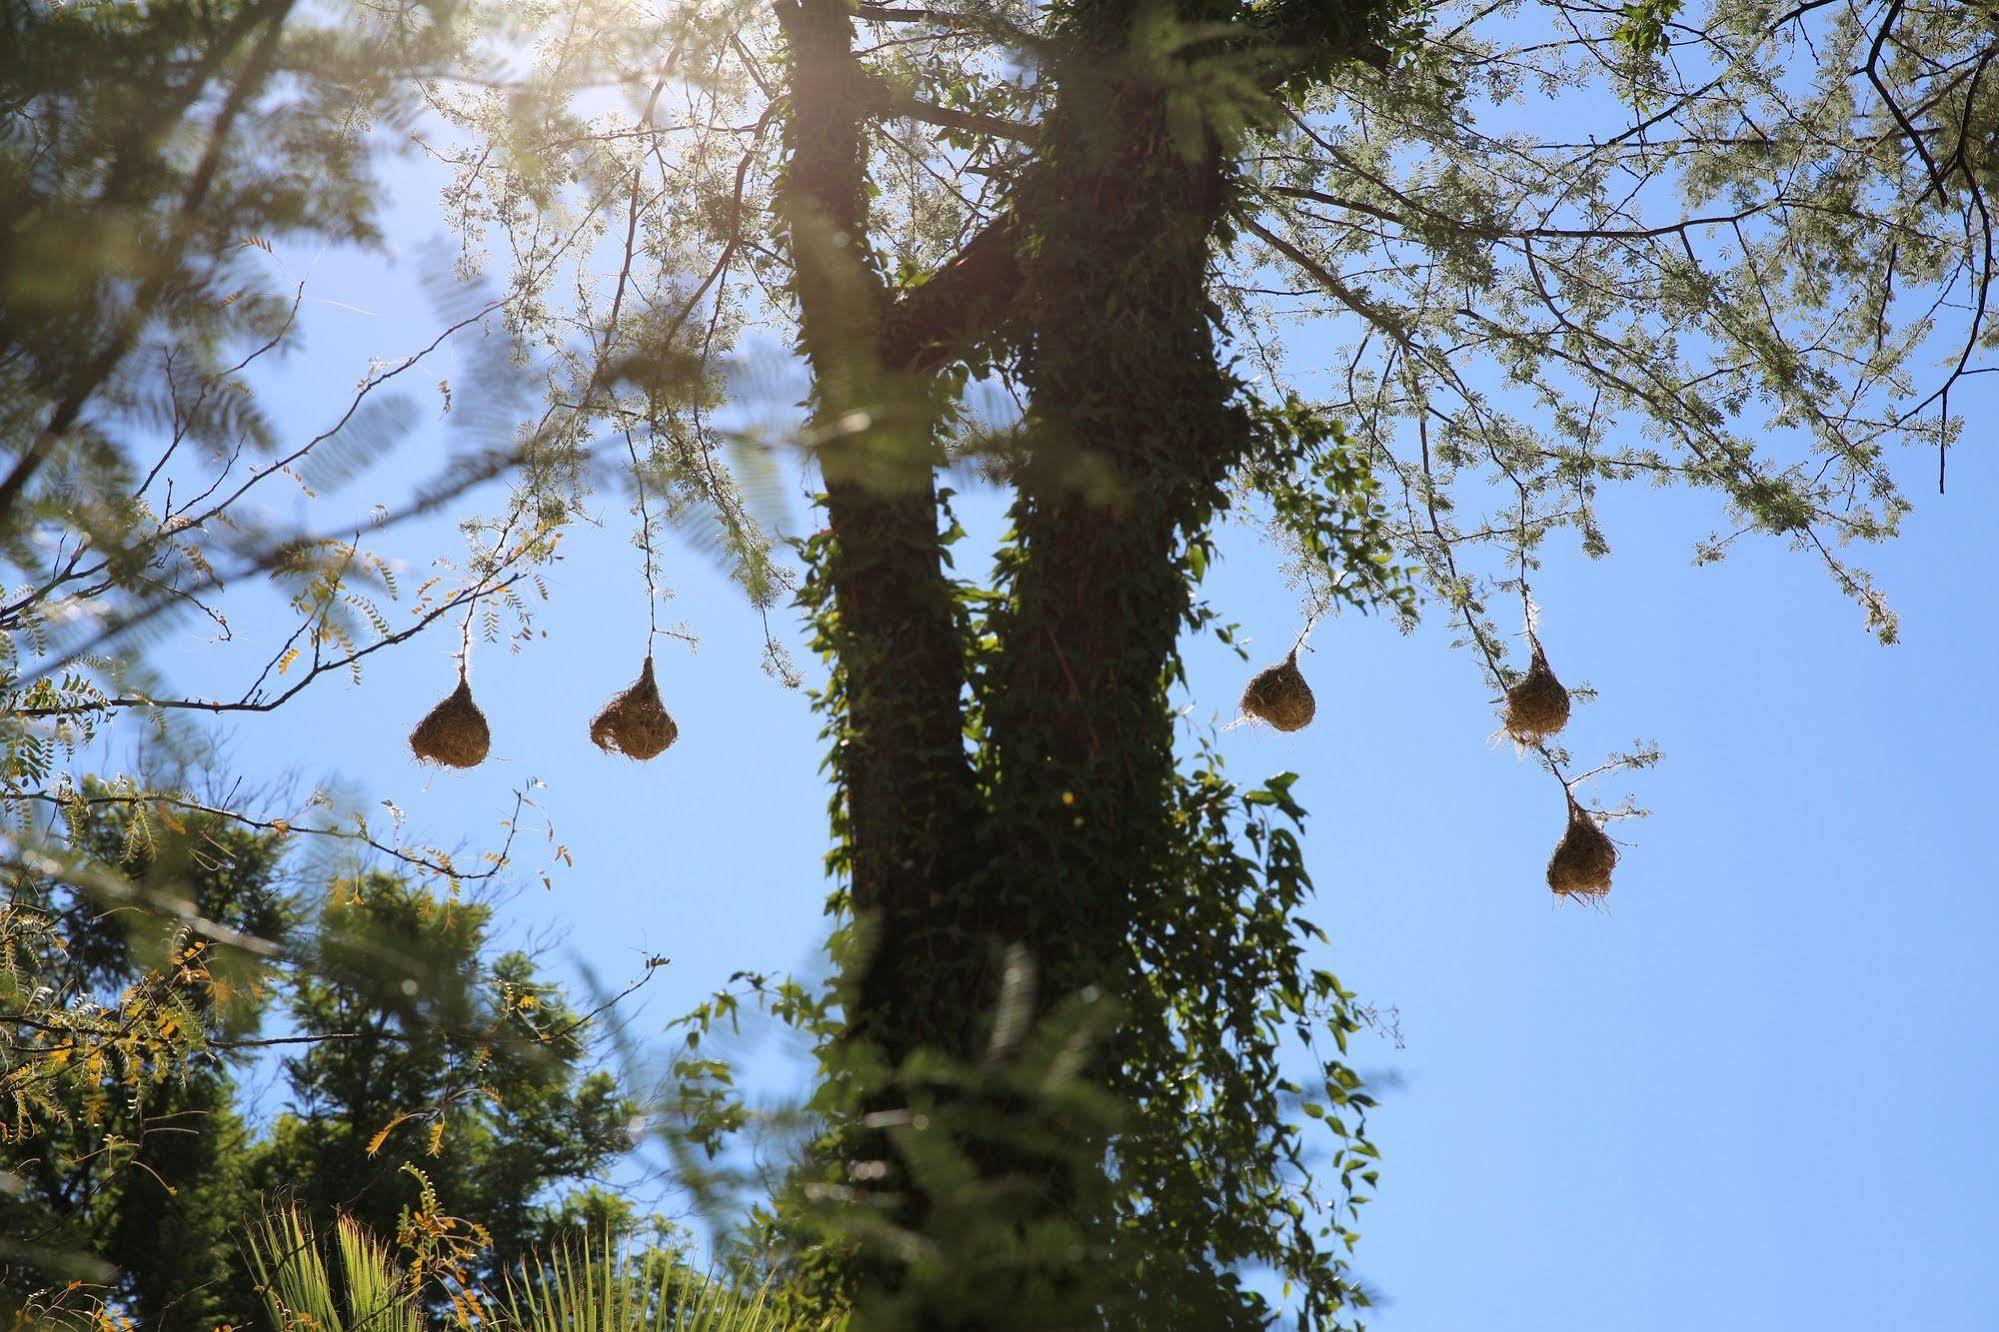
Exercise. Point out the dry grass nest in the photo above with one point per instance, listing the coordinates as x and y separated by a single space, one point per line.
1584 858
454 732
1537 706
1279 695
635 723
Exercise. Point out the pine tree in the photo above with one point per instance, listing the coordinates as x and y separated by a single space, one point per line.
431 1051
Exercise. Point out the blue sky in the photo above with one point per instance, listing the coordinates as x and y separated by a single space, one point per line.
1751 1093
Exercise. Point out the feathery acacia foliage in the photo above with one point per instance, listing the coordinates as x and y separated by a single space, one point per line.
152 159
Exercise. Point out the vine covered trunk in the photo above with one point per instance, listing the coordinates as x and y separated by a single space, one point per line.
1007 808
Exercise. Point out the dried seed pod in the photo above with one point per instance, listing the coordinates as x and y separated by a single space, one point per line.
454 732
1279 695
1583 859
635 723
1537 706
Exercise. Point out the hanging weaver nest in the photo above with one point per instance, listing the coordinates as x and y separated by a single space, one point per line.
1279 695
1584 858
454 732
635 723
1537 706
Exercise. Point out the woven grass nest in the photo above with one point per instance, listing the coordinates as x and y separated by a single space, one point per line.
1583 859
1279 695
635 723
1537 706
454 732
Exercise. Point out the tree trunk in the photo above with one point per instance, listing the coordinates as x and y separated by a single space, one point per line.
900 754
1039 841
1132 433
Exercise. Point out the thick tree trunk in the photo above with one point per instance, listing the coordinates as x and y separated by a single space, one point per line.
900 754
1132 434
1044 840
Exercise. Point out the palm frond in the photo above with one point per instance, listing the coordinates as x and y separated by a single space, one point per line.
595 1289
298 1287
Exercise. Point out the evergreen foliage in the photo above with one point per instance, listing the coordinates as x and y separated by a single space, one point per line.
130 1162
430 1050
133 1165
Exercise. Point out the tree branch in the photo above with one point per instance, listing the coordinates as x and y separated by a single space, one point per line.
901 761
895 102
963 304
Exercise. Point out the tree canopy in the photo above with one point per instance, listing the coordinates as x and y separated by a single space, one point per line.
1405 285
